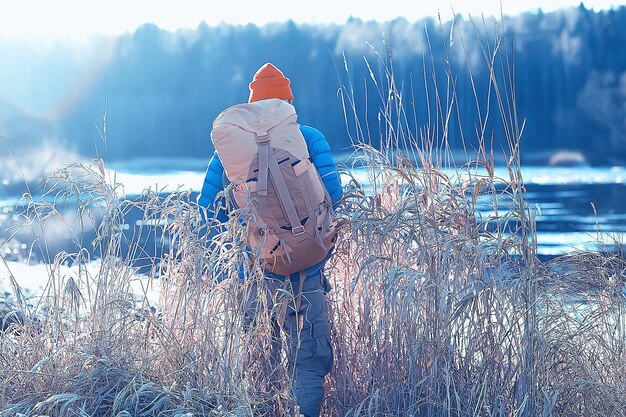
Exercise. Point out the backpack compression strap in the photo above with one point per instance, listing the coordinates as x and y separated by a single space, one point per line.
264 149
285 199
268 163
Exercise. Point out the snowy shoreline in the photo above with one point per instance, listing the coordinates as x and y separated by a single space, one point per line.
35 281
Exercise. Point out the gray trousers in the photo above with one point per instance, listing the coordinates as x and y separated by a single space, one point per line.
300 310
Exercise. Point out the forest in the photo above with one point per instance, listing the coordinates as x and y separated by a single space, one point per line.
154 93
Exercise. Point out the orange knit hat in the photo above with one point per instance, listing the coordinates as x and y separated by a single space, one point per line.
269 82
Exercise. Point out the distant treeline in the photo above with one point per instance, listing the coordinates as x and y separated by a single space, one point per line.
161 90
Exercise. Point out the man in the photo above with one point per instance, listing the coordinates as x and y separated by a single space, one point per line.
308 329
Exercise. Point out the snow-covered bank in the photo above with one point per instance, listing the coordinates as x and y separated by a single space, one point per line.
35 280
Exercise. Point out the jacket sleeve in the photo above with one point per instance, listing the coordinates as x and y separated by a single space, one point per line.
322 158
212 186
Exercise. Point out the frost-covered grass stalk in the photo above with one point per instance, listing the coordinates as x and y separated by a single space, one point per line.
436 310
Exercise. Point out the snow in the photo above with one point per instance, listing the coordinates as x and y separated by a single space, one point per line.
34 280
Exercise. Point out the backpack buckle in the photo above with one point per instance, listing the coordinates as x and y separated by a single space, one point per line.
261 139
298 230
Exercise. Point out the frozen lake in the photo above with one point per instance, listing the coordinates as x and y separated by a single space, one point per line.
572 204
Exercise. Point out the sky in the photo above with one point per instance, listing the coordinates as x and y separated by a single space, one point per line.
83 18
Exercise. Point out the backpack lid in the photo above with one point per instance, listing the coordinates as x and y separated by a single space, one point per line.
256 117
236 129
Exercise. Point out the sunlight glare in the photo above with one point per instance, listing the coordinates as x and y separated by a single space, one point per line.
80 19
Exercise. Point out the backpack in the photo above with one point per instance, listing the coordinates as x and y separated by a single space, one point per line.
284 202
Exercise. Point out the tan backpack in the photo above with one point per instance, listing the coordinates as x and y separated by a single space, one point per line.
286 205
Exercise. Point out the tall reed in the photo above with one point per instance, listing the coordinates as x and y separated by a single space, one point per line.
437 310
440 310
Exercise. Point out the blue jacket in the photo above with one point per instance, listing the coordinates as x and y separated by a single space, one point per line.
319 152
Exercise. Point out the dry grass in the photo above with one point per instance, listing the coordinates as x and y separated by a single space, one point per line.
436 311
